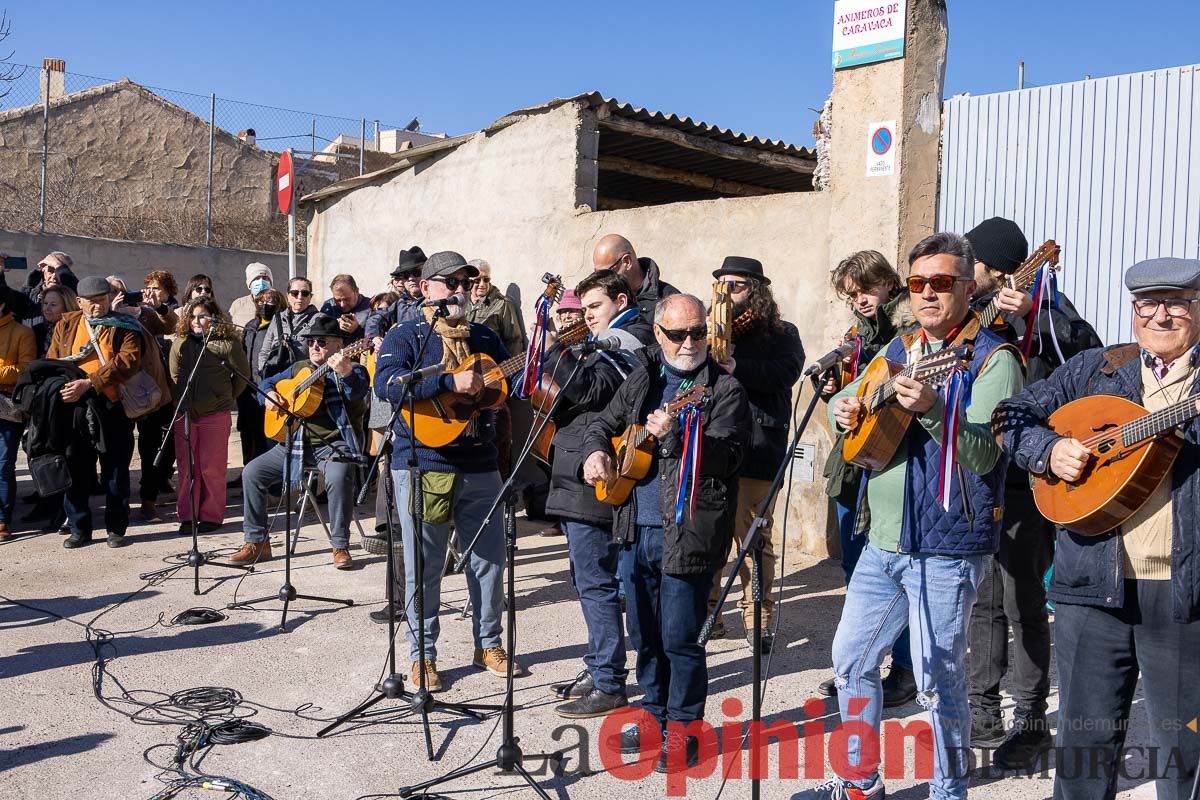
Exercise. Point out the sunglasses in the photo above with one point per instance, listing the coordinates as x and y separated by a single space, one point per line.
453 283
942 284
202 289
698 333
737 285
319 341
299 292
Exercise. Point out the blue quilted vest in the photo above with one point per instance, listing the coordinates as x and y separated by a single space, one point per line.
972 525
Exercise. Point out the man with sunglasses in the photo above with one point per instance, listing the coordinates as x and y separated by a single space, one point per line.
676 532
288 325
406 283
614 252
935 513
459 481
1126 603
329 439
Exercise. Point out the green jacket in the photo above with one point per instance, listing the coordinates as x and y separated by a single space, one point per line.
216 387
498 313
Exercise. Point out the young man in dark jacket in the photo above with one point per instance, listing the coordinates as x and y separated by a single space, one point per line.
767 359
1012 592
587 385
1127 602
615 252
678 535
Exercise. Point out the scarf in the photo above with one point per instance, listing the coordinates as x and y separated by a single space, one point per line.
337 411
455 349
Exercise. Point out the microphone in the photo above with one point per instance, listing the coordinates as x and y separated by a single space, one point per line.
830 359
610 343
410 377
457 299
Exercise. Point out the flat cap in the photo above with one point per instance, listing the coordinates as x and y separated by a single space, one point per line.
93 286
446 262
1157 274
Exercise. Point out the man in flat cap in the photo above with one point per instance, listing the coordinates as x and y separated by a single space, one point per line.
1127 602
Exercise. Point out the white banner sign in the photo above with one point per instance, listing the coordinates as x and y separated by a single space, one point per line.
866 31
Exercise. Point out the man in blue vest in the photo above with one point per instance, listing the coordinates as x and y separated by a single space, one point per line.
934 525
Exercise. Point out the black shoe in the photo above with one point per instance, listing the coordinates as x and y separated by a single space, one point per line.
580 686
836 789
185 528
987 728
673 742
717 631
117 540
1029 741
899 687
630 741
77 540
827 688
768 641
593 704
378 546
208 527
382 615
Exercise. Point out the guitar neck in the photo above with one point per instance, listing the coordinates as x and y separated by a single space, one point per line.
989 314
887 390
1159 422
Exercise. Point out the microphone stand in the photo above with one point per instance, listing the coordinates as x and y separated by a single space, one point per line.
422 700
287 592
509 756
195 559
753 547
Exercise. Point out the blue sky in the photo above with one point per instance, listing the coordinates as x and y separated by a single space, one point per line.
754 67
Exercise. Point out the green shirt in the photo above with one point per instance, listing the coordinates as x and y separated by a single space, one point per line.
1000 378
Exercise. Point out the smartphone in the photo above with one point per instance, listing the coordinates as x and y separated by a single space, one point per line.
134 298
16 262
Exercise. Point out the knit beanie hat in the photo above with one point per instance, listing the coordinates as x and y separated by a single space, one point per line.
256 270
999 243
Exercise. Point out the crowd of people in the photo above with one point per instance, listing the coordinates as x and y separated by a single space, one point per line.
943 548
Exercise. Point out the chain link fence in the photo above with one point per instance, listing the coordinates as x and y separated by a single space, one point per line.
115 159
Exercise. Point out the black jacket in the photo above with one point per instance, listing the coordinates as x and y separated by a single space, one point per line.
768 363
653 289
1073 332
701 543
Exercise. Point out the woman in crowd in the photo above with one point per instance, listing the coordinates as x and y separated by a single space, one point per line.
157 315
208 407
289 325
56 301
199 285
158 293
17 350
250 411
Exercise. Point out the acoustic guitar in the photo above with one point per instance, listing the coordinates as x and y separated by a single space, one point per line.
1023 277
884 422
304 393
1132 451
635 450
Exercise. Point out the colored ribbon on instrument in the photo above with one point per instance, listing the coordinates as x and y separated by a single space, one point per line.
1045 293
958 390
855 359
689 465
535 356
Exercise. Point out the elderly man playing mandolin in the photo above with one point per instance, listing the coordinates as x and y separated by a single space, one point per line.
1126 588
935 508
331 433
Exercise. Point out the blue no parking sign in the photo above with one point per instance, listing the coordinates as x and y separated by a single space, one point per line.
881 149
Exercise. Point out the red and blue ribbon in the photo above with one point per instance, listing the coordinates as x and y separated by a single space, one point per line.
689 464
535 356
855 359
958 390
1045 292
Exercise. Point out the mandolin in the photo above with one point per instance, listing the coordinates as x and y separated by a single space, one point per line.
1132 451
304 393
634 450
1023 277
884 422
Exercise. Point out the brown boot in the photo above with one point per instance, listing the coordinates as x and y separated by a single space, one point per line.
342 559
252 553
4 533
433 681
150 513
495 661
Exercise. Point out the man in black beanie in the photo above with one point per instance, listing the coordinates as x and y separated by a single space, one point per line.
1012 591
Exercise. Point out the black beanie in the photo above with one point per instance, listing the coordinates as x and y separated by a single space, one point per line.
999 243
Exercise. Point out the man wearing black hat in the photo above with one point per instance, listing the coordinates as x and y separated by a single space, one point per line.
767 358
406 282
1012 592
331 435
1127 602
459 480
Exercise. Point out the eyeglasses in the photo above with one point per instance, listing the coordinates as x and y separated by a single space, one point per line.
698 333
942 284
483 279
452 282
737 285
154 288
1147 308
202 318
299 292
202 289
613 265
319 341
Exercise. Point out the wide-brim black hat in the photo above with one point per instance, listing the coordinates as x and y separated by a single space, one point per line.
322 325
410 260
740 265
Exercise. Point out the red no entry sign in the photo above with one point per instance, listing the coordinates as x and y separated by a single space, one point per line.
285 181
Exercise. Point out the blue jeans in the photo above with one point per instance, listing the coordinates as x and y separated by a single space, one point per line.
473 496
266 470
852 547
664 613
593 554
10 444
933 595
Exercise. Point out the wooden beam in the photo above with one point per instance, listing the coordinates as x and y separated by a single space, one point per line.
685 178
613 204
710 146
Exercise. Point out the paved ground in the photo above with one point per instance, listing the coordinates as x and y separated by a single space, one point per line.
58 741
